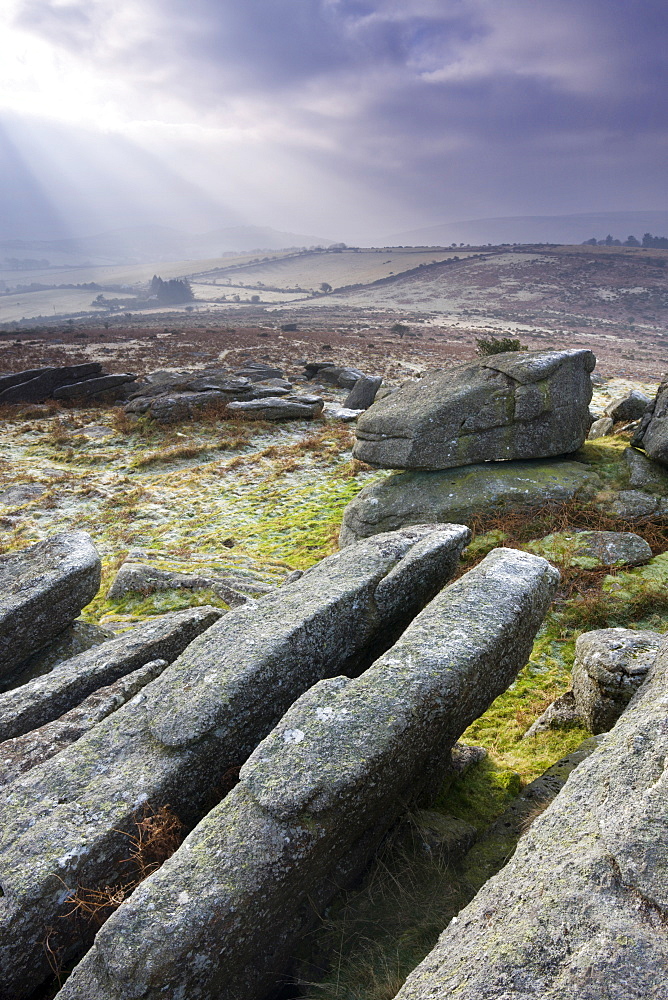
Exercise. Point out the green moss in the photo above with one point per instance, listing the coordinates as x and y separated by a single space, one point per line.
481 794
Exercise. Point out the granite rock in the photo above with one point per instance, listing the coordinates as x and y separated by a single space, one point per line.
42 590
510 406
610 665
459 495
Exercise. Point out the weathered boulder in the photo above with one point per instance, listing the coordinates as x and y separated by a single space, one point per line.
167 408
38 384
645 474
636 506
630 407
363 393
601 428
146 579
22 753
47 697
459 495
509 406
610 665
92 386
42 589
579 911
328 373
279 408
652 435
593 549
68 820
315 799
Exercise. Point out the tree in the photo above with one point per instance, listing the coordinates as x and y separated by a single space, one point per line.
325 286
400 329
171 292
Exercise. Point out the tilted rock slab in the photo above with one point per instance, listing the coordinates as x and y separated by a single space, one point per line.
652 435
223 915
610 665
66 822
462 494
47 697
581 910
509 406
38 384
22 753
279 408
92 386
42 589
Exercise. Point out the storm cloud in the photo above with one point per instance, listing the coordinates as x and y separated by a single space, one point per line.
350 119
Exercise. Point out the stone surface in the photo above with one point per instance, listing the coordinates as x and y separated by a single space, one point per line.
316 797
47 697
601 428
636 506
593 549
510 406
67 820
652 434
146 579
42 589
610 665
630 407
40 384
168 408
92 386
335 412
579 912
75 639
645 474
22 753
459 495
289 407
363 393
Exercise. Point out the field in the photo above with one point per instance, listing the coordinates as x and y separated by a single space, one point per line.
614 300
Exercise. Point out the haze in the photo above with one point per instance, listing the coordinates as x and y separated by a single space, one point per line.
346 119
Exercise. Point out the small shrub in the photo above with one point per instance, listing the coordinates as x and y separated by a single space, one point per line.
497 345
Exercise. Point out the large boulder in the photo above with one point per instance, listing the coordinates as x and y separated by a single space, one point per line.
633 406
509 406
644 474
579 912
68 820
610 665
363 393
652 435
221 919
42 590
38 384
291 407
460 495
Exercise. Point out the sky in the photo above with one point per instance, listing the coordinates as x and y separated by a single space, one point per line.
345 119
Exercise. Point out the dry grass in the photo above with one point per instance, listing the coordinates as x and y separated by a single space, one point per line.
158 835
162 456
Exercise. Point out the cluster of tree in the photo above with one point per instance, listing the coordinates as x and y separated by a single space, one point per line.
660 242
171 292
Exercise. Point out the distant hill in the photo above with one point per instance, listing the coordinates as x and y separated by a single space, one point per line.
148 243
535 229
